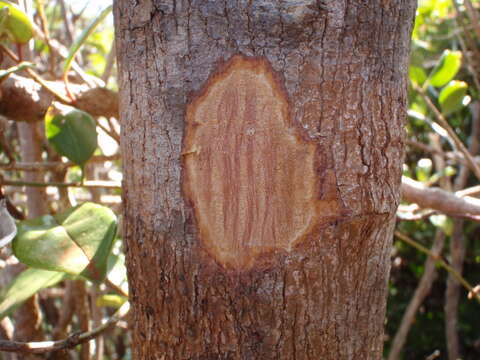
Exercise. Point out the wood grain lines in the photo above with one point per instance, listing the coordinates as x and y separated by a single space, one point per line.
248 173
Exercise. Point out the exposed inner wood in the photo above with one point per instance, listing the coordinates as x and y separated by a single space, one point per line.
249 174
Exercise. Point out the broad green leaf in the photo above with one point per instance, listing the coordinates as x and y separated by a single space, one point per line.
17 23
19 67
83 37
451 96
76 242
446 68
26 284
73 135
417 75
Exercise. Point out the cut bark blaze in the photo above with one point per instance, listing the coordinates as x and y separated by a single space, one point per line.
248 173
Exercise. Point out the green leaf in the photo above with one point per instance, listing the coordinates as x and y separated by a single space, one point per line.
83 37
23 65
76 242
423 169
17 24
451 96
26 284
449 171
111 300
446 68
433 8
73 135
417 75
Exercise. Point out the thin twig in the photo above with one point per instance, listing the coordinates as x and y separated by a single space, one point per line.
61 51
112 127
68 24
97 321
438 199
430 269
44 24
53 165
472 13
450 155
440 262
82 312
86 184
110 62
422 290
453 136
73 340
458 250
37 77
471 59
115 288
433 355
110 132
471 191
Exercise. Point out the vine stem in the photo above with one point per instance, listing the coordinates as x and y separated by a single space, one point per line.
440 262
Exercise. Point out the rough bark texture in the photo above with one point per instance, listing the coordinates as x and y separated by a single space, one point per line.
342 66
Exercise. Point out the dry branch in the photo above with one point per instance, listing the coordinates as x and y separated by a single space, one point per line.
23 99
441 200
68 343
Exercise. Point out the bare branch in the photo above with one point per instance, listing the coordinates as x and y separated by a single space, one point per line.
441 200
68 343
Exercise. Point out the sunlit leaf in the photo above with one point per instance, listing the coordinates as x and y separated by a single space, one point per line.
423 169
451 97
83 37
417 75
73 135
76 242
17 23
111 300
443 222
26 284
433 8
446 68
449 171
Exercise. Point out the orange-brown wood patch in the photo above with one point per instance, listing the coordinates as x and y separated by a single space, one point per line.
248 173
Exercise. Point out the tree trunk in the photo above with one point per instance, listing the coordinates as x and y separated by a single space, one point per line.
262 144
